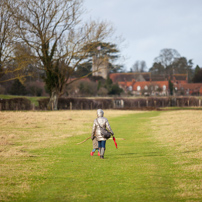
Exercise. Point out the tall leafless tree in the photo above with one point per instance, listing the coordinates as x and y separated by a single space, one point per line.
7 45
54 32
139 66
167 56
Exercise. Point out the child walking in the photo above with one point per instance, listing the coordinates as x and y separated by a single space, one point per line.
95 146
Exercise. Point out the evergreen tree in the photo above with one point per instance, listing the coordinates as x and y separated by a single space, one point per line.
197 75
17 88
113 89
171 87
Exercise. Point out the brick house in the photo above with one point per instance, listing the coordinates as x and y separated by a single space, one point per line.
188 88
148 84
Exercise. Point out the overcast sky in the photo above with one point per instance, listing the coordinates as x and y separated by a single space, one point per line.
149 26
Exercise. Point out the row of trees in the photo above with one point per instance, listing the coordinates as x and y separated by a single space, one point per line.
76 89
50 37
170 62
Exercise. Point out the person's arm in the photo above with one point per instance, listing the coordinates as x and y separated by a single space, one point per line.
93 131
109 128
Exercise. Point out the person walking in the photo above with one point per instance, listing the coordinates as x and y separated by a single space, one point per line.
100 121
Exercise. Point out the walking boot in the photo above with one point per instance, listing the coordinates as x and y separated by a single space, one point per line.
92 153
102 153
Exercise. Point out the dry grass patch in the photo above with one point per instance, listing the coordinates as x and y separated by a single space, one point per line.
181 132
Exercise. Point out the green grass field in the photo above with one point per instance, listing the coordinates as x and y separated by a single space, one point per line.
159 160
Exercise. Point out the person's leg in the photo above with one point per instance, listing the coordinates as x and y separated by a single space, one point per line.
99 146
102 151
98 152
92 152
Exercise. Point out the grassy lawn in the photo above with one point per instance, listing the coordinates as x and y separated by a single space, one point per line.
159 160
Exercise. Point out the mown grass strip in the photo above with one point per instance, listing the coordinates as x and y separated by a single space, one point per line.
139 170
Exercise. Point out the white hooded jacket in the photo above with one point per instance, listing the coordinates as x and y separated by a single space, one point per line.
96 132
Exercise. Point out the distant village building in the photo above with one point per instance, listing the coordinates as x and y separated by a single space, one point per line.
100 66
146 83
150 84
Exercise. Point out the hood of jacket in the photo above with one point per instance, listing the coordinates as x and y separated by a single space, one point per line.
100 113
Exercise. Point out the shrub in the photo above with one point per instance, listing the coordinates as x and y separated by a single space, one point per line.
82 88
17 88
102 92
15 104
34 90
2 89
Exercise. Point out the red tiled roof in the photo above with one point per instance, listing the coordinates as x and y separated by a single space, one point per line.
147 76
190 86
126 84
180 77
142 84
119 77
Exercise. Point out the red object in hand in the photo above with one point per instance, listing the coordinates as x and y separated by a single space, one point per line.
115 142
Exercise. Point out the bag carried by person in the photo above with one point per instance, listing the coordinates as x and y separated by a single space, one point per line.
104 132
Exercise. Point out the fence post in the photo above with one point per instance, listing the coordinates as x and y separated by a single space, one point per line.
91 105
114 104
155 103
70 105
138 104
33 108
199 103
122 103
82 105
147 103
7 106
188 103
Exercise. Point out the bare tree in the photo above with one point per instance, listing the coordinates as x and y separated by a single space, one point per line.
157 68
52 29
139 66
167 57
7 45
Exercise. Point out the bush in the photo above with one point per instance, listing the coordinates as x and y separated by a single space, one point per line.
15 104
102 92
140 103
115 90
17 88
82 88
34 90
78 103
2 90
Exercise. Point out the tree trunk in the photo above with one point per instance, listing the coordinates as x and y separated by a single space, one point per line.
53 103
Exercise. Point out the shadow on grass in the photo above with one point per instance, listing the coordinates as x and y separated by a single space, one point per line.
137 155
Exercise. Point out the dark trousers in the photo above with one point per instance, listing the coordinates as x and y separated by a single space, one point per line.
101 144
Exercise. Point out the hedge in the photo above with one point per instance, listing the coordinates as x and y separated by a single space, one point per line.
15 104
